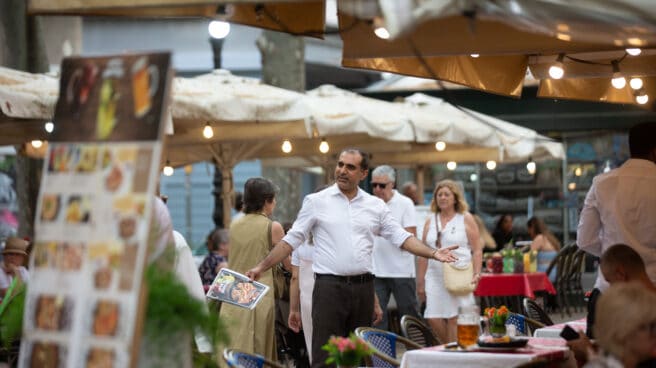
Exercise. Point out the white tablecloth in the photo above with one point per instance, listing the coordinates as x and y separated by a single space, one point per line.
438 357
553 332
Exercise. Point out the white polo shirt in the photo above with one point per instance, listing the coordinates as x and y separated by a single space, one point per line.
343 230
389 260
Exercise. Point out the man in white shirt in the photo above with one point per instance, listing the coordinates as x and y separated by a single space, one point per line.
394 268
621 204
343 221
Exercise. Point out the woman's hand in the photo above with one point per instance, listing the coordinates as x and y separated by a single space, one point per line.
476 278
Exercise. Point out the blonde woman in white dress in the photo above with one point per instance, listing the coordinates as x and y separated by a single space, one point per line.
456 227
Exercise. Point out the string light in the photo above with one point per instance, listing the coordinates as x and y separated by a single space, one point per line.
451 165
323 146
218 29
475 56
634 52
641 97
168 169
37 143
473 177
618 80
208 132
636 83
440 146
380 30
578 171
49 127
571 186
286 146
491 165
556 71
531 166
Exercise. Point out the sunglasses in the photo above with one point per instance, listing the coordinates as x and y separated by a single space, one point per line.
379 185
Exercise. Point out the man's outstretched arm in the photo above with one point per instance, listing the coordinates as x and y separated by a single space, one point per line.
277 254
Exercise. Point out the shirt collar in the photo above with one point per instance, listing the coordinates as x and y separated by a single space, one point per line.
334 190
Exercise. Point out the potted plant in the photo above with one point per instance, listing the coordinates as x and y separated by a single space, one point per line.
346 351
496 319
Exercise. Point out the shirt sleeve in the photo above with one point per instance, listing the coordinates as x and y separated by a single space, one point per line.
391 229
301 228
588 232
295 259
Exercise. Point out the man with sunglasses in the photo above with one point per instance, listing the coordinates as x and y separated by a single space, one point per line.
394 268
343 221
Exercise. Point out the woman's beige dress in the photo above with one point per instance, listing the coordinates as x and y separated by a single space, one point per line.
251 330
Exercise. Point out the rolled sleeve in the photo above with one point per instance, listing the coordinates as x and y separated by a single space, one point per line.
391 229
302 226
588 232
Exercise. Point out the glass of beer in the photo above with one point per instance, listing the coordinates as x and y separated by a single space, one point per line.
468 325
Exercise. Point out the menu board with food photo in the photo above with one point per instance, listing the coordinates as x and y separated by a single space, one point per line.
232 287
83 303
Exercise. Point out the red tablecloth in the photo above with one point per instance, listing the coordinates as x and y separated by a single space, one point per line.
506 284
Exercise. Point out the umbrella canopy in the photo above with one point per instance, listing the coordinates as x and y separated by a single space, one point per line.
438 39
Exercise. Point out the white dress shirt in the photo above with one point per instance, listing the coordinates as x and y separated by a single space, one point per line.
303 253
343 230
621 208
390 260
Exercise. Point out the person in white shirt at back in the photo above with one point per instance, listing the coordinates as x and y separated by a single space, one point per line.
620 206
394 268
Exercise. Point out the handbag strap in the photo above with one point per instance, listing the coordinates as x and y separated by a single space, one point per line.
438 227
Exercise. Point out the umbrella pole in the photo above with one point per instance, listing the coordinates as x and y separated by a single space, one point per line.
419 178
227 194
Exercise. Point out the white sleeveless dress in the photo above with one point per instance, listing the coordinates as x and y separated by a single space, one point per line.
440 303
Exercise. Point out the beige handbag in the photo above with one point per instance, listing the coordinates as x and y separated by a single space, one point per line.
456 280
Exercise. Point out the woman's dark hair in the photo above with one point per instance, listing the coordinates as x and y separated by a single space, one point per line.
500 221
258 191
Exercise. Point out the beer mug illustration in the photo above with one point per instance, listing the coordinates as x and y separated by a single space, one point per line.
145 80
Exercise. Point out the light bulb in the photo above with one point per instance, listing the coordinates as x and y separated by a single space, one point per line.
324 147
636 83
451 165
473 177
49 127
37 143
286 146
634 52
475 55
218 29
382 33
578 171
491 165
618 81
207 131
571 186
531 167
440 146
642 99
168 169
556 71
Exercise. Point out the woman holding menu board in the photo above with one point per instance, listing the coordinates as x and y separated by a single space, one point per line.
251 238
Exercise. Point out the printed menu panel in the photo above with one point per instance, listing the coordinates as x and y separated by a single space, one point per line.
232 287
93 213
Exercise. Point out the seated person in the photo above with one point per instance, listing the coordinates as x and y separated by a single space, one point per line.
625 327
545 243
217 258
13 264
619 264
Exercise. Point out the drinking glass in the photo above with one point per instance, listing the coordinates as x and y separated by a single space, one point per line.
468 325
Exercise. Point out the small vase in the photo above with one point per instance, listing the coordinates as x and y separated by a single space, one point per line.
497 330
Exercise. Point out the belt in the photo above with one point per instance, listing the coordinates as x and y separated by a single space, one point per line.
351 279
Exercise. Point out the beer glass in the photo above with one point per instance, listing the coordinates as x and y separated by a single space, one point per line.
468 325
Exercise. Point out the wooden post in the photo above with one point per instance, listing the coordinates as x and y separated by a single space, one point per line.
419 179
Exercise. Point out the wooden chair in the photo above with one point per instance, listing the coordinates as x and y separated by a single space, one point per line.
533 311
416 330
385 346
239 359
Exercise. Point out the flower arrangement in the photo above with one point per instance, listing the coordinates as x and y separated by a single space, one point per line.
346 351
497 318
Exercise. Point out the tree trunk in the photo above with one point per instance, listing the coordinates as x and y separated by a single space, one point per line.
283 65
22 47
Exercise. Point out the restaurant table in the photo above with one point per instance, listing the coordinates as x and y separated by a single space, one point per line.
509 288
554 331
552 350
